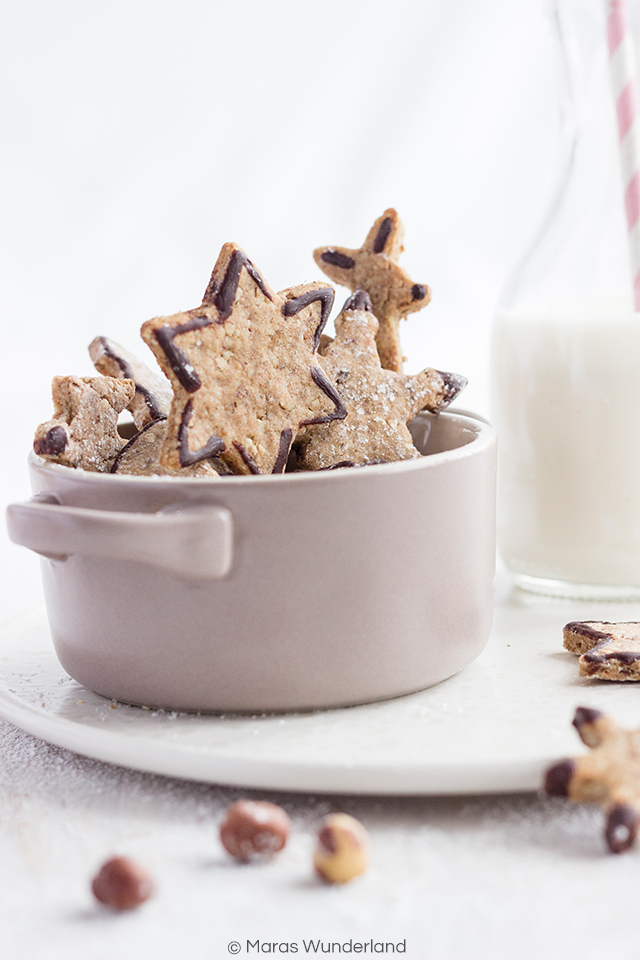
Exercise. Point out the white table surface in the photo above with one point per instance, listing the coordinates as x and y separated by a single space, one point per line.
456 877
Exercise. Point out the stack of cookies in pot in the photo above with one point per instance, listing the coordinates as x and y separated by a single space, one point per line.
251 383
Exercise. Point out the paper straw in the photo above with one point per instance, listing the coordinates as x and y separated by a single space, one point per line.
622 62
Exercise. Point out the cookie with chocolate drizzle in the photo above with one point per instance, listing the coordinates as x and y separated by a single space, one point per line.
84 430
141 456
374 268
609 775
378 402
244 369
152 400
609 651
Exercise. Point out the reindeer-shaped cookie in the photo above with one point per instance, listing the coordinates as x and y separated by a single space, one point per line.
374 268
609 775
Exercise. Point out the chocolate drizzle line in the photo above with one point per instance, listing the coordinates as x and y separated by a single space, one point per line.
248 459
350 463
152 404
383 235
212 447
453 384
584 630
134 439
52 444
325 295
321 380
359 300
585 715
125 369
178 361
283 452
595 655
222 297
621 828
337 259
558 778
622 656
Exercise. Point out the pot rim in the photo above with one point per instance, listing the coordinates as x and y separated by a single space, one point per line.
484 436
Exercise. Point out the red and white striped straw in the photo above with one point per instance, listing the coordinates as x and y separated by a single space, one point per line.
623 77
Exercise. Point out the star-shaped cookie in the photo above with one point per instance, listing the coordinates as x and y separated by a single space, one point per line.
374 268
243 368
378 402
84 430
609 775
609 651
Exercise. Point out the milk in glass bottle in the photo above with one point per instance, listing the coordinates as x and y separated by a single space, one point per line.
566 347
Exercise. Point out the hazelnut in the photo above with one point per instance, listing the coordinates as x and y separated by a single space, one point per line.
122 884
254 829
342 852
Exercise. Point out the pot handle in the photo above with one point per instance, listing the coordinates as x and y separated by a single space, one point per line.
193 541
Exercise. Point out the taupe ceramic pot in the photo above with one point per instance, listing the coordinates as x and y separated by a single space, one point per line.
264 593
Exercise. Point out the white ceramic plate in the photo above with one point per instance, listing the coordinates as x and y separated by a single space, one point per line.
494 727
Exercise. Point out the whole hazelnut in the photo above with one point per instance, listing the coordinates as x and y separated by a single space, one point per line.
122 884
342 851
254 829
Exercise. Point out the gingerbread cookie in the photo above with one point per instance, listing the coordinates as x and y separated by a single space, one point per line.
609 775
153 394
374 268
244 369
609 651
84 429
378 402
141 456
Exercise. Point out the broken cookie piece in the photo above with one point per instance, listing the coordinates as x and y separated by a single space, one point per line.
608 775
374 268
153 395
379 402
608 651
84 429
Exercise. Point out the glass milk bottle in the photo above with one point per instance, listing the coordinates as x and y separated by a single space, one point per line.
566 351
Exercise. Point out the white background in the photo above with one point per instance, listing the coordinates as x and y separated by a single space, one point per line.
140 135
